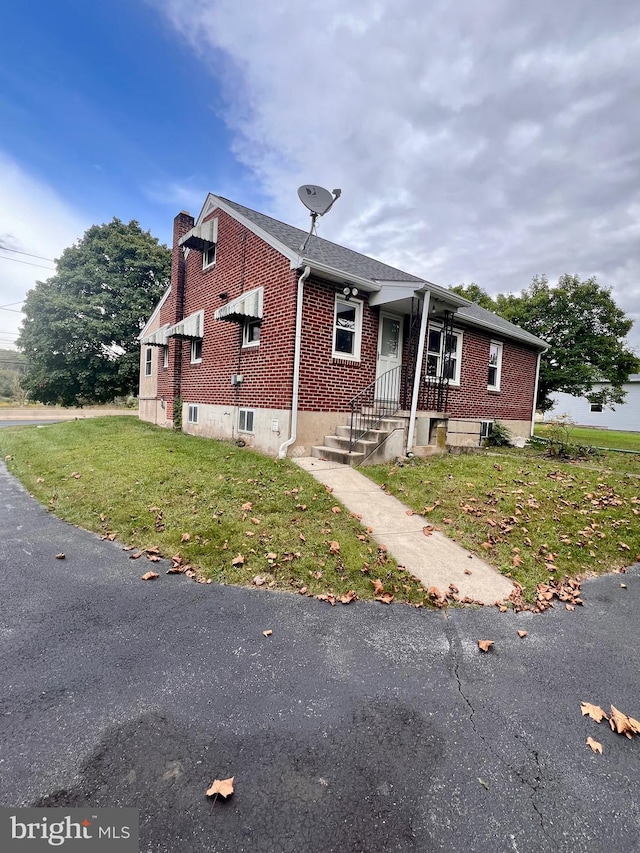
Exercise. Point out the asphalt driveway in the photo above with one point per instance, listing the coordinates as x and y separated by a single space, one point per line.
354 728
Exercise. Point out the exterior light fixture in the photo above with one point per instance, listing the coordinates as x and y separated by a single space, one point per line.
349 292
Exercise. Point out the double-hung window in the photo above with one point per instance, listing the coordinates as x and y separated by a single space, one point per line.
495 366
196 351
148 361
444 351
347 329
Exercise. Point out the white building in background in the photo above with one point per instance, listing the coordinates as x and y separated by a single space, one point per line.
625 416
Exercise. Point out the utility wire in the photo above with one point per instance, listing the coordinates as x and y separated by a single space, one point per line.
28 263
12 303
28 254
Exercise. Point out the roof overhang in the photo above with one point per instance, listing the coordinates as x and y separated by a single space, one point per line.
154 313
328 273
248 305
191 327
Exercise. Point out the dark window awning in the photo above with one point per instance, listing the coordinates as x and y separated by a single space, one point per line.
247 306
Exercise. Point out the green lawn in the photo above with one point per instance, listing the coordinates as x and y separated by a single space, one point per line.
532 517
230 512
596 437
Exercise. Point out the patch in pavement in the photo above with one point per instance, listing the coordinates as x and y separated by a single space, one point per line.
345 789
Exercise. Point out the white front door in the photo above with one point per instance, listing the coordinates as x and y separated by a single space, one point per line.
389 357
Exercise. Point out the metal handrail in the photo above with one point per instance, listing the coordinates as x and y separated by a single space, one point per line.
379 400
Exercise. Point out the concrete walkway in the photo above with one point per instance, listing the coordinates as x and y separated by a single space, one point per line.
434 559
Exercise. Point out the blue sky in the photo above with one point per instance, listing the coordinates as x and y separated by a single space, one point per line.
473 142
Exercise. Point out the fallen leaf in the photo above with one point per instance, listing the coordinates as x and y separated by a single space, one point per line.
622 724
246 507
267 633
482 782
135 556
224 787
76 475
60 556
378 586
336 509
334 547
410 512
259 580
594 711
595 746
303 590
485 645
255 521
623 585
522 634
569 607
428 530
348 597
387 598
185 537
150 576
238 560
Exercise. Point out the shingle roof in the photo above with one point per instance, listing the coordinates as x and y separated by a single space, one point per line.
324 251
476 314
355 263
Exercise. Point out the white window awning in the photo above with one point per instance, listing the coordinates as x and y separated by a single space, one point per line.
201 236
191 327
248 305
159 338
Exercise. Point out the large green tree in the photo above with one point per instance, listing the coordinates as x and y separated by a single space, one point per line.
585 330
81 325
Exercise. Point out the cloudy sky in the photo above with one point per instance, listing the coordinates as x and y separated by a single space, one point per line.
473 141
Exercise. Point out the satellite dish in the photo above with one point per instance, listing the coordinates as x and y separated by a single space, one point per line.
316 199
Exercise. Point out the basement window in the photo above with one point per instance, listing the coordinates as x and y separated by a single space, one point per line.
192 414
245 420
486 428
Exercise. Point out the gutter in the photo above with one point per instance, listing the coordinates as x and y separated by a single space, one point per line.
282 451
417 377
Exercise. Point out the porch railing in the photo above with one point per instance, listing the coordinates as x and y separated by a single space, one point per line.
379 400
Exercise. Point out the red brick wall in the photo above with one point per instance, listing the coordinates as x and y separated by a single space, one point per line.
243 262
328 384
514 401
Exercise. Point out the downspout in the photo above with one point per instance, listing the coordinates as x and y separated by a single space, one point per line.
535 391
417 377
282 452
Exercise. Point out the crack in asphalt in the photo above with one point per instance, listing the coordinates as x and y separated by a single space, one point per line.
454 642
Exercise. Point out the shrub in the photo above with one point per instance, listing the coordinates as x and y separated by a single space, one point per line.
499 436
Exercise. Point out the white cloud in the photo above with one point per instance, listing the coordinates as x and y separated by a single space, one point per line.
35 220
480 142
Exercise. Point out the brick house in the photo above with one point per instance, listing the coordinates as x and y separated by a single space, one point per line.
322 350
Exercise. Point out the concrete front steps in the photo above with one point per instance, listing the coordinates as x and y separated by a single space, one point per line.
379 444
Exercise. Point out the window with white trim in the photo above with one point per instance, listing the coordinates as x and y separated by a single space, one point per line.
347 329
192 414
245 420
596 407
495 366
148 361
196 351
165 357
251 332
209 256
444 353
